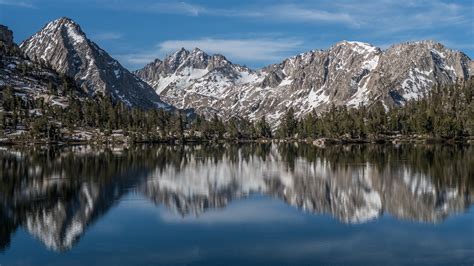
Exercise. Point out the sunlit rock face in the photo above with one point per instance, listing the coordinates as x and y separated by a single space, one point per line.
56 194
62 45
348 73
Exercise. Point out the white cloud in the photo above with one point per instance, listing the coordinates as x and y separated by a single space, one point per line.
106 36
383 15
380 21
158 7
176 8
278 12
17 3
386 15
298 13
393 16
243 50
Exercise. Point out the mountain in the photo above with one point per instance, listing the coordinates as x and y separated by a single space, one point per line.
29 79
63 45
348 73
196 79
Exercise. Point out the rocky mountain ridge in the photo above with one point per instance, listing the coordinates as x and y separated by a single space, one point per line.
196 79
63 45
348 73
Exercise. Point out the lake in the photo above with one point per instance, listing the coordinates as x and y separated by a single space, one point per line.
248 204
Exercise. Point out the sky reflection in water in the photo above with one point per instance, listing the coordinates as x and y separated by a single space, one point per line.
252 204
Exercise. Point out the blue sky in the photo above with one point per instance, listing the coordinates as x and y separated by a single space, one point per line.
254 33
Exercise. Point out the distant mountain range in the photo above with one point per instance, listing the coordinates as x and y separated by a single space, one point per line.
348 73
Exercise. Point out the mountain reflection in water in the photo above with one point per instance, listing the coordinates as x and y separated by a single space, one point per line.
56 193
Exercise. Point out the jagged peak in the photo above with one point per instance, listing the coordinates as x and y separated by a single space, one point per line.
62 22
427 42
354 43
220 57
360 47
304 54
425 45
66 20
421 43
198 54
181 51
178 55
63 27
196 50
157 61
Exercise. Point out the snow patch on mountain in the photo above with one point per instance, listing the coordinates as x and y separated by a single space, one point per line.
348 73
64 46
74 35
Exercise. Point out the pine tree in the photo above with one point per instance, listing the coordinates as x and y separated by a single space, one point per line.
263 128
288 125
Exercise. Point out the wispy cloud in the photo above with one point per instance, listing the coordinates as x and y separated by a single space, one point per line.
388 15
298 13
178 7
244 50
159 7
106 36
377 21
17 3
278 12
393 16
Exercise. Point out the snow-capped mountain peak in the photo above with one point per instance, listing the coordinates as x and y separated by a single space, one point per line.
64 46
349 73
191 76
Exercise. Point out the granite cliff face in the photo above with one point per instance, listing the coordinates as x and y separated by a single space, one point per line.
348 73
194 79
63 46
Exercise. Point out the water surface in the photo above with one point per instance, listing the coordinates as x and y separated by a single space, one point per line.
264 204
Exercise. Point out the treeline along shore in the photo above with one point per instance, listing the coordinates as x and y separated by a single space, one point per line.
446 114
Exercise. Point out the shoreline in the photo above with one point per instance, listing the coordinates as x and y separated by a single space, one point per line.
319 142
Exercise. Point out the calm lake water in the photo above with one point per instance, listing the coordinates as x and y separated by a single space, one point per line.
253 204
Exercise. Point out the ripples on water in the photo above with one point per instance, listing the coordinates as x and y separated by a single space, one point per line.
55 194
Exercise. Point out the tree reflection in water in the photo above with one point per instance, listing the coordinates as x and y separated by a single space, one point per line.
56 193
